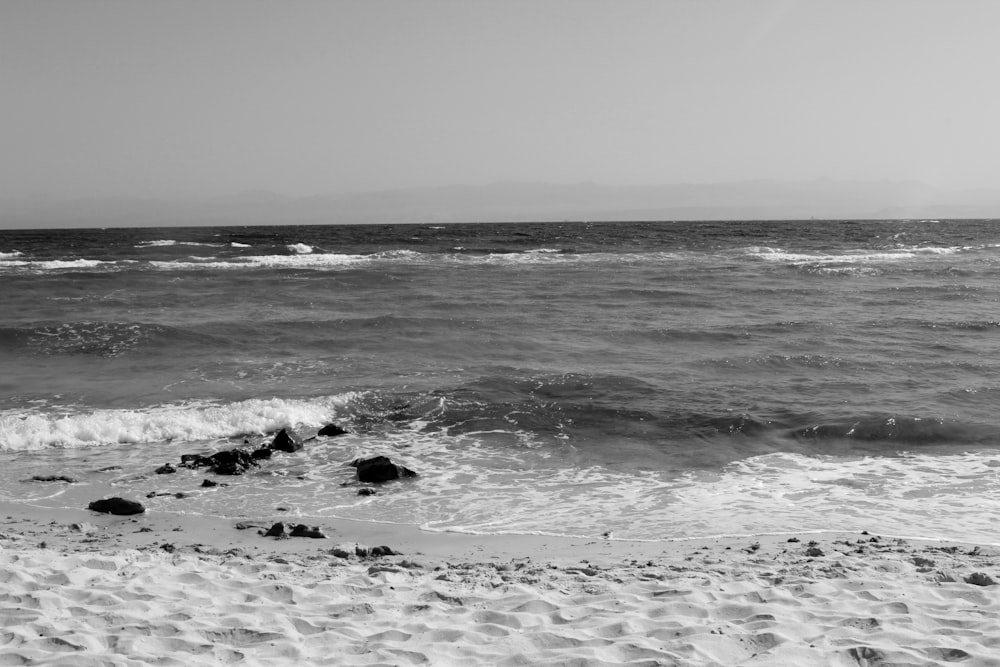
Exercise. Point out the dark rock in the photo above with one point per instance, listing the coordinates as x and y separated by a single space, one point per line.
166 469
374 552
168 547
210 483
262 453
287 440
52 478
302 530
232 462
117 506
277 530
339 553
195 460
380 469
980 579
367 491
332 430
814 552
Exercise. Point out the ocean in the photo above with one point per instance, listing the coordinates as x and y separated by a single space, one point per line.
647 381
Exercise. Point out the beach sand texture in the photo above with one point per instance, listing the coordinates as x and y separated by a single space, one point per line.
80 588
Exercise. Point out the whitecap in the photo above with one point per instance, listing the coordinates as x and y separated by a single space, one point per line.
319 261
155 244
178 422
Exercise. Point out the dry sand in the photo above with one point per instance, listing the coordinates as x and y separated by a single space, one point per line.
79 588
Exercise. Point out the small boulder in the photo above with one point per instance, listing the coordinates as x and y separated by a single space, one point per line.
277 530
287 440
117 506
262 453
980 579
380 469
301 530
52 478
367 491
232 462
165 469
195 460
332 430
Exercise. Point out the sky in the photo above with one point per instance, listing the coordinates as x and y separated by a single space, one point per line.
135 98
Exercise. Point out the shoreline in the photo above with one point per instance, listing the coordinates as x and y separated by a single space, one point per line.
112 533
100 589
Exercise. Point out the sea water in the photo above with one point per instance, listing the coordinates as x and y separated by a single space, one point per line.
643 380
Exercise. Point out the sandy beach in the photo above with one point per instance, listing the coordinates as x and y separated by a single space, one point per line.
81 588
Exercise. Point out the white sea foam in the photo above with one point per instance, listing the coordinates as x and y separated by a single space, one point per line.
306 258
59 264
155 244
161 243
856 256
494 492
479 488
317 261
4 256
398 254
920 495
505 482
932 250
183 422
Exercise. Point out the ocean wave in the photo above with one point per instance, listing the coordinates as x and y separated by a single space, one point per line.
4 256
785 361
101 338
703 336
863 256
585 409
305 261
301 256
898 429
165 243
968 325
187 422
59 265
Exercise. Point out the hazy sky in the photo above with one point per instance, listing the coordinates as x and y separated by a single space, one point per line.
209 97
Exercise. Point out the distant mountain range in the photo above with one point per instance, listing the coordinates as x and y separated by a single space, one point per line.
517 202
